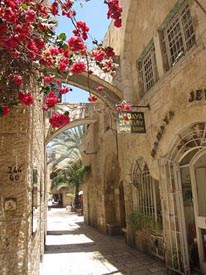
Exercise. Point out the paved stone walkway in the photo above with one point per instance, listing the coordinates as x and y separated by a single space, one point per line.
72 248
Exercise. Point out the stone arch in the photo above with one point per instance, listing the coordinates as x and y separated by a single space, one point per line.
111 94
73 124
189 138
130 8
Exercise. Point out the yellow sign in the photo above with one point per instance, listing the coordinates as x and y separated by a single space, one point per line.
131 122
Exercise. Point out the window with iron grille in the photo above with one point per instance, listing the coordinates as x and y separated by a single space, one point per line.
147 68
145 197
178 36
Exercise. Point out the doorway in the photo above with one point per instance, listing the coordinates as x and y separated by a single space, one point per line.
193 180
183 184
198 183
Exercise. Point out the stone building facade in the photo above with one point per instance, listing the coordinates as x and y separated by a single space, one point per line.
158 175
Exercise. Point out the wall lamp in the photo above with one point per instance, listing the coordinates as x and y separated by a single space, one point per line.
89 153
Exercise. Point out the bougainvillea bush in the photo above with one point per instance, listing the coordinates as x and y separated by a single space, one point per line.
31 49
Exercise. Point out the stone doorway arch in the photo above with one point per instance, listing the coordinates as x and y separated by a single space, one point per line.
179 181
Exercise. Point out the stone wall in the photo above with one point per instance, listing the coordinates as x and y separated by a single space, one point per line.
22 145
101 186
171 107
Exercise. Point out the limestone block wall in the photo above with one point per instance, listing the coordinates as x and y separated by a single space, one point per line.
173 90
38 218
101 190
169 98
15 178
20 147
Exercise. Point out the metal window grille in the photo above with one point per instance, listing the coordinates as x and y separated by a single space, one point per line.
144 195
148 69
178 37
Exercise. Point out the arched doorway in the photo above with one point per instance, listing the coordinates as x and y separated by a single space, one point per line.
183 184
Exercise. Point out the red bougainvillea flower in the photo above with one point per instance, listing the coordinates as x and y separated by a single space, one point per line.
76 44
62 66
51 99
90 72
58 82
126 117
78 68
6 110
27 32
81 30
114 11
119 109
109 51
118 23
59 120
98 55
63 90
100 89
54 50
17 79
48 79
92 98
54 8
30 16
26 99
127 107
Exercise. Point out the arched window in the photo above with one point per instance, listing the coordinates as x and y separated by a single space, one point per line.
146 197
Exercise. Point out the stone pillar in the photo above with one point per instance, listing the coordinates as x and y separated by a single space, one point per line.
15 184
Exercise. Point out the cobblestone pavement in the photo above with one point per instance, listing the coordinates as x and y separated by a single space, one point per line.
73 248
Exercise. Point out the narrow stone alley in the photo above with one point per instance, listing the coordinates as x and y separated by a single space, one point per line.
73 248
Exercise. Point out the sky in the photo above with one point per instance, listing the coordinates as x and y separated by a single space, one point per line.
94 14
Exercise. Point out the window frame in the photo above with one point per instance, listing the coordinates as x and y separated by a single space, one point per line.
187 41
148 55
144 191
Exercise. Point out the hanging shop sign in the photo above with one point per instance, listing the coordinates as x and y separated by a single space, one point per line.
131 122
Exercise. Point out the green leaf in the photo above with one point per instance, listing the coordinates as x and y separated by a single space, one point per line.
62 36
24 6
65 46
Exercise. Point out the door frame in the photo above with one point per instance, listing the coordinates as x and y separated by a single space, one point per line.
198 219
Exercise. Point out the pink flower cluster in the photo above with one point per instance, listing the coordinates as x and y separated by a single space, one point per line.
81 30
123 107
26 27
92 98
114 12
26 99
59 120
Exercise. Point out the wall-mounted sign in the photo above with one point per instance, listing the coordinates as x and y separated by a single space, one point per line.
131 122
10 204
